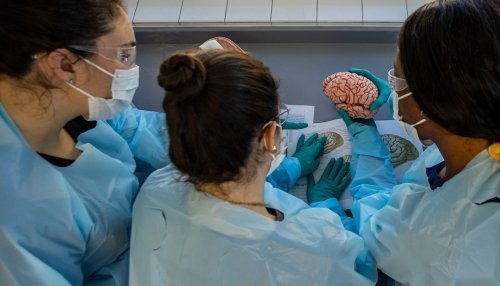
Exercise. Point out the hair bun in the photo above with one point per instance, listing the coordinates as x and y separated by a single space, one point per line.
182 74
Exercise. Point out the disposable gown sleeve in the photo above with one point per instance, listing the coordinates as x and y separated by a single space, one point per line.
286 175
334 205
146 134
387 235
364 263
371 171
19 267
371 166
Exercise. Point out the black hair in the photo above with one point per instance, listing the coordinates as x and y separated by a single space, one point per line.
30 27
217 102
449 54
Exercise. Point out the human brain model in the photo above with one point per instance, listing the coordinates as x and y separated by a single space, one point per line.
352 93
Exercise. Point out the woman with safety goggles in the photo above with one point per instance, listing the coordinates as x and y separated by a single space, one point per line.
440 226
69 140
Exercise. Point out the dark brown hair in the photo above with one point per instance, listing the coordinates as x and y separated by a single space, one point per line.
30 27
449 53
217 102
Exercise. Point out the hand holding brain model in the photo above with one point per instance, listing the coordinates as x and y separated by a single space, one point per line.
352 92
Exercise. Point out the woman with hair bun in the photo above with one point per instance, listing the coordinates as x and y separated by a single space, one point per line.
217 221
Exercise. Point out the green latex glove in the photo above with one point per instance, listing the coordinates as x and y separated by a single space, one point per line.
384 90
308 153
293 125
333 181
349 120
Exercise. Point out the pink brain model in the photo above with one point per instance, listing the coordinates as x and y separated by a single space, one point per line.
351 92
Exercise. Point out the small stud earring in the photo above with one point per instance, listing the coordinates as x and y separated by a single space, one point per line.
274 149
71 81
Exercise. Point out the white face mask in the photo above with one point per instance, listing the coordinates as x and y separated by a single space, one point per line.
409 129
278 158
123 87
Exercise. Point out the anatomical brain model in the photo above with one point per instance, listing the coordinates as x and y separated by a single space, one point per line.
351 92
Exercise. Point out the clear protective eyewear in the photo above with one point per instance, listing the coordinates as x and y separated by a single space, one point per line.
125 55
283 115
396 83
281 118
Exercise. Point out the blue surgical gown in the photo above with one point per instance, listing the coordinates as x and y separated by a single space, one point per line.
420 236
71 225
184 237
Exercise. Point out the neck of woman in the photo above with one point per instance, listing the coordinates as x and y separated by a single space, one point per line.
458 151
40 115
248 193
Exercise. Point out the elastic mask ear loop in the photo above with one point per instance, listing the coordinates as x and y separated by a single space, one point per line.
418 123
98 67
71 83
395 101
273 151
404 95
424 119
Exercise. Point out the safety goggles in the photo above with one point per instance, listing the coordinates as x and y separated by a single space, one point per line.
125 55
281 118
283 115
396 83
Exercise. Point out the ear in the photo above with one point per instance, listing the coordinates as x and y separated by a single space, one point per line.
60 62
270 137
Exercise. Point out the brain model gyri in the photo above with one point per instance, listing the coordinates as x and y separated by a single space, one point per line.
351 92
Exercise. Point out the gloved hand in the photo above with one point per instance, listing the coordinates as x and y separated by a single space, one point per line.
349 120
366 139
308 153
384 91
293 125
333 181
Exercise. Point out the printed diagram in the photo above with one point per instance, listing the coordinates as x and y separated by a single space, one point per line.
339 145
402 150
333 141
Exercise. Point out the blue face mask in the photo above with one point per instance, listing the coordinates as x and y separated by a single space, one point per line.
123 87
409 129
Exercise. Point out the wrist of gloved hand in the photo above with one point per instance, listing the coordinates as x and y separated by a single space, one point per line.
366 140
287 125
349 120
317 195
